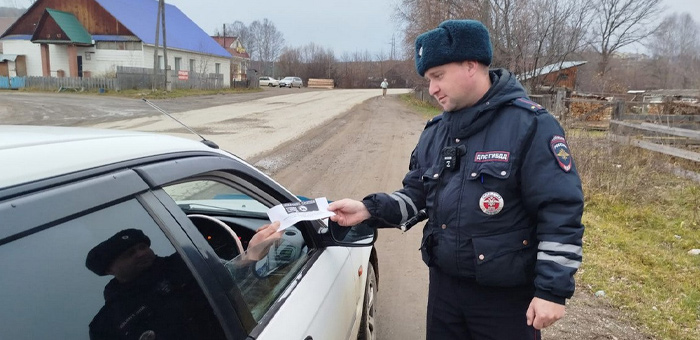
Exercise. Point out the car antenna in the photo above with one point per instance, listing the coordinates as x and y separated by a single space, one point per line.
204 140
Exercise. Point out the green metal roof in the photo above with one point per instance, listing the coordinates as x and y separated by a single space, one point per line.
71 26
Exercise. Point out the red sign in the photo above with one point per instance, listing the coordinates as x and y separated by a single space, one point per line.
183 75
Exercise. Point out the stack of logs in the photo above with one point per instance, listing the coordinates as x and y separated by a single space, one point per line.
321 83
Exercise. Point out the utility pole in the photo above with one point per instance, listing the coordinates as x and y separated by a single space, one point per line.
155 52
166 69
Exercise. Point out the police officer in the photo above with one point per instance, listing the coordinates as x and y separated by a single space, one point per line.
504 200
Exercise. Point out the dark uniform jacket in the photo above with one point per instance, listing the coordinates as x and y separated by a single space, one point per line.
164 302
503 197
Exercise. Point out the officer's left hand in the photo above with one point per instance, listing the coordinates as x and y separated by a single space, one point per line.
543 313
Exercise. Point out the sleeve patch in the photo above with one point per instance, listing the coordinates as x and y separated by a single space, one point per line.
561 152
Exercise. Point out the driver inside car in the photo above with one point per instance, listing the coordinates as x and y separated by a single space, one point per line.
154 297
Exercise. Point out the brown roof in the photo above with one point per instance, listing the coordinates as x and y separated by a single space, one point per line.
226 42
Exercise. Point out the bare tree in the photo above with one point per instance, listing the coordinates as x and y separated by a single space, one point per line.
239 30
675 47
261 39
290 61
526 34
619 23
270 42
536 33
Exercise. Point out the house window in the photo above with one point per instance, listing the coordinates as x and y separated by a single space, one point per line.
178 61
160 62
192 65
217 68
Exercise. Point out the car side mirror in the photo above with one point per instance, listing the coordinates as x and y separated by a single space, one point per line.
360 235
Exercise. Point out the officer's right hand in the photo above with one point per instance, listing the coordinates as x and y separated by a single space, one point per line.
348 212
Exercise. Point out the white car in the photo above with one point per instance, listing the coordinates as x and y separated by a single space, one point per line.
291 82
135 235
268 81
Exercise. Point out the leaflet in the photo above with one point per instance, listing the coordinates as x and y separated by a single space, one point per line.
290 213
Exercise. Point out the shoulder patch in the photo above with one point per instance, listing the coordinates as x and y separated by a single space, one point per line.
561 152
433 120
529 105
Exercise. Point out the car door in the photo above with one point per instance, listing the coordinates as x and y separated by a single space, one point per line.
300 290
59 242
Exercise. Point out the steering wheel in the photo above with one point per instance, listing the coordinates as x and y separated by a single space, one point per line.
224 226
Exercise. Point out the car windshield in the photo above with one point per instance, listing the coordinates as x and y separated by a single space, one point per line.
215 197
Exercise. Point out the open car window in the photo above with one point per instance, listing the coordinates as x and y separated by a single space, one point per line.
228 215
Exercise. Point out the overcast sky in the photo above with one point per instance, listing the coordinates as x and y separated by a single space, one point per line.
342 25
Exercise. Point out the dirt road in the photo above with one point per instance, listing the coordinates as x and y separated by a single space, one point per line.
320 143
364 151
71 109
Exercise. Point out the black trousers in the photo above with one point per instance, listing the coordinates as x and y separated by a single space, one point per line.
462 309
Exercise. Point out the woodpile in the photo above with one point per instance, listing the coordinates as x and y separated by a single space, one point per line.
667 108
321 83
579 110
682 108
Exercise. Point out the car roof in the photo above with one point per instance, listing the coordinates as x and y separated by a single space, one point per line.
31 153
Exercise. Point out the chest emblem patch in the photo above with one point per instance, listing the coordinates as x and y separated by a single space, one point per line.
491 203
492 156
561 152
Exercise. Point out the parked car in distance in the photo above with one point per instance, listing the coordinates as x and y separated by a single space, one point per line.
268 81
128 235
291 82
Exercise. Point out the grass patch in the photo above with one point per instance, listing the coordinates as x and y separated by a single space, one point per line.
158 94
426 109
641 221
640 224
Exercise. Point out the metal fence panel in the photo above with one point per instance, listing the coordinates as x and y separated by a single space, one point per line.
12 82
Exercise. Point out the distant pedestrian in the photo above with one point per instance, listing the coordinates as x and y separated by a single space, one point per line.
384 86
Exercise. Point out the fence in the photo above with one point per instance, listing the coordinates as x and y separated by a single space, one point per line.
69 83
423 95
126 78
12 82
673 135
142 78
